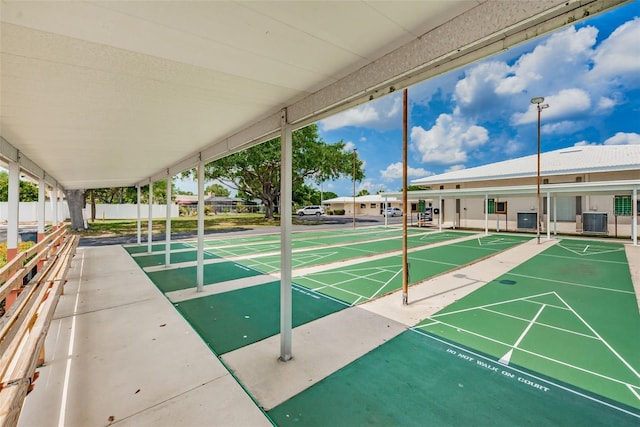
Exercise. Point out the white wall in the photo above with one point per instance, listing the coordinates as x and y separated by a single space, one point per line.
28 211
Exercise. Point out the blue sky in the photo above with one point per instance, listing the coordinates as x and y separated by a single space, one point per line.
589 74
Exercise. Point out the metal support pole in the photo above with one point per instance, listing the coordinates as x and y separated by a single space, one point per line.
634 211
14 214
200 252
150 220
42 188
405 257
54 208
538 210
139 198
384 211
355 157
167 242
440 214
555 215
548 216
286 188
486 214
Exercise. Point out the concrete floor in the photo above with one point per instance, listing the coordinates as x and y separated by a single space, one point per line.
118 353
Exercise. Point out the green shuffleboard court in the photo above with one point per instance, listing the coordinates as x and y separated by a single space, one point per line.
176 279
231 320
307 240
158 247
417 379
569 313
362 282
176 258
271 263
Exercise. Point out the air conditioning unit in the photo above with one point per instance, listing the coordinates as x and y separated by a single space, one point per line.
527 220
594 222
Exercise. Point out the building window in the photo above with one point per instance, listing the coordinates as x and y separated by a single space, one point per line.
363 205
622 205
491 206
373 205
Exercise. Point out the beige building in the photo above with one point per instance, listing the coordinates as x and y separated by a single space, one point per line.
583 189
369 205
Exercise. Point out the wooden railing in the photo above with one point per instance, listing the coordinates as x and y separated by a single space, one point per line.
24 326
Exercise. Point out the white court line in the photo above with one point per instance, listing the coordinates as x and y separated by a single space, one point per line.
601 339
72 334
591 260
531 323
550 359
542 324
386 283
492 304
480 356
562 282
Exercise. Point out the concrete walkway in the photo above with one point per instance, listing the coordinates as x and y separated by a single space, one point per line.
118 353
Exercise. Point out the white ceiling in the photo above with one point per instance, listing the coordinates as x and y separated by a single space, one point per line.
102 94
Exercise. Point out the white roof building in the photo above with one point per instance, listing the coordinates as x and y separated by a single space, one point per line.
567 161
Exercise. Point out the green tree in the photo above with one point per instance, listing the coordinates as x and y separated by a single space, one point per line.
28 190
255 172
218 190
363 192
413 188
329 195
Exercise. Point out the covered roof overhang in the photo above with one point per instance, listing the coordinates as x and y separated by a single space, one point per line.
106 94
566 189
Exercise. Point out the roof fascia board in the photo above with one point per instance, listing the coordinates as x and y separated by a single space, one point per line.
436 52
28 166
525 190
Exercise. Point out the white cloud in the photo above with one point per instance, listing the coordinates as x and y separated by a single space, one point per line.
583 143
455 168
480 82
348 146
619 55
623 138
606 103
363 139
555 60
394 171
448 140
563 127
567 102
382 114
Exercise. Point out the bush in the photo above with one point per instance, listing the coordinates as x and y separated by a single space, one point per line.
329 212
339 211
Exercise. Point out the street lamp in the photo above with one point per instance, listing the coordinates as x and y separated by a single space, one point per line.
355 157
538 100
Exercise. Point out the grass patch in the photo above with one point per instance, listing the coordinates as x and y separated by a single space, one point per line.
181 224
22 246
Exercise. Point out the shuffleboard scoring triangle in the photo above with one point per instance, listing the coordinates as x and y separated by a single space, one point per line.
506 358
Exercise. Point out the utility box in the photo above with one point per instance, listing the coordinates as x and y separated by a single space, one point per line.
594 222
527 220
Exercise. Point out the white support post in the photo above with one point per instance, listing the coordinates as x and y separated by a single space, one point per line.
548 215
384 211
167 250
42 188
200 252
14 214
150 220
634 210
486 214
139 215
440 214
555 215
286 186
54 208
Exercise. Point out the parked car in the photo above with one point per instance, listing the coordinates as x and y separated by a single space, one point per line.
311 210
393 212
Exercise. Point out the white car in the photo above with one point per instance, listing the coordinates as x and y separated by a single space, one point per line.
311 210
393 212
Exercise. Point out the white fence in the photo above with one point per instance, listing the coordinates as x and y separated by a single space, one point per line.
28 211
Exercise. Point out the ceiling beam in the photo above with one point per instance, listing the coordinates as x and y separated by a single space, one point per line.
11 154
491 27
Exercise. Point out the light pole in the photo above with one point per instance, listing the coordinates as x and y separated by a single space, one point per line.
355 157
538 100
